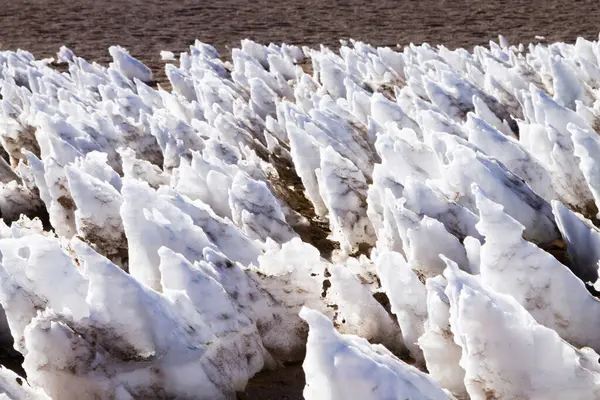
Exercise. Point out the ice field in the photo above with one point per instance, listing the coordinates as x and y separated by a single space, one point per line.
412 223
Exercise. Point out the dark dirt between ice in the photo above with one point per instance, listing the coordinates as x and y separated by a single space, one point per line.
146 27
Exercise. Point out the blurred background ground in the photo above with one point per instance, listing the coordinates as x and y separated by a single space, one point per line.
145 27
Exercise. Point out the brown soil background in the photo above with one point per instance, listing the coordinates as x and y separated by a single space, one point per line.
146 27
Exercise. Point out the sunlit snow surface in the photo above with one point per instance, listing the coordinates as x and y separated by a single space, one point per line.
414 223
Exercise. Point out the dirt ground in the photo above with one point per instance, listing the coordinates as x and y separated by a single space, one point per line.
146 27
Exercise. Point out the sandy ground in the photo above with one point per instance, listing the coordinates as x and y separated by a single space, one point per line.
146 27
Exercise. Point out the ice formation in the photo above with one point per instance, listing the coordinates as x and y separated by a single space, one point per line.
347 366
413 223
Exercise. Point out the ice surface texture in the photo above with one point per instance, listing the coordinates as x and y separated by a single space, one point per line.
412 223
